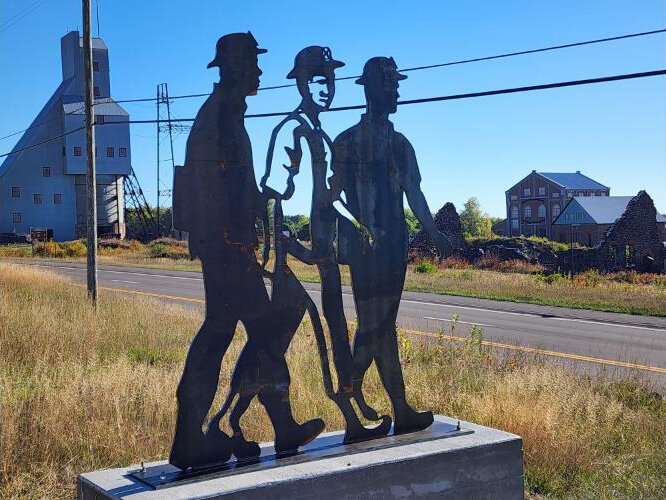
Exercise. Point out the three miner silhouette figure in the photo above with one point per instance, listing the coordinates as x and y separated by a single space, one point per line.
357 218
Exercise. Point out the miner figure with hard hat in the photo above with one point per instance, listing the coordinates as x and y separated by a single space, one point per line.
314 72
217 201
374 167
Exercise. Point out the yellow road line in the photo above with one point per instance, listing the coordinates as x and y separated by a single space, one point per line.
148 294
513 347
490 343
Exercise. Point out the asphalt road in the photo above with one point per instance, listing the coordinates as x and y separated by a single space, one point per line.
589 340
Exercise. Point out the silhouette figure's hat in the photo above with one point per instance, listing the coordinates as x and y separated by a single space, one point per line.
377 69
312 60
235 50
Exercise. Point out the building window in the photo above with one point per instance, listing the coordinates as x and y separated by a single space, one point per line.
96 91
541 211
514 223
528 212
514 212
95 66
514 197
16 217
570 194
603 193
109 152
526 192
100 120
593 193
46 171
77 151
542 190
57 199
37 198
556 195
556 211
16 192
122 152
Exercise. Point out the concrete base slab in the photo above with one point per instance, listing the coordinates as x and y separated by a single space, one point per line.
473 462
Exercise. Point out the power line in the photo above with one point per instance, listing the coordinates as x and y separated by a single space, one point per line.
42 142
513 90
22 14
444 64
76 111
416 68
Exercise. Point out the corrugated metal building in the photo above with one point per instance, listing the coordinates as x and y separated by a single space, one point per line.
43 188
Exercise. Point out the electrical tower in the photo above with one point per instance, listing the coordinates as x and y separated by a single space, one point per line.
134 199
165 132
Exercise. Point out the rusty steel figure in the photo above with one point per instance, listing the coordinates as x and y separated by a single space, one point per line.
315 66
374 167
217 201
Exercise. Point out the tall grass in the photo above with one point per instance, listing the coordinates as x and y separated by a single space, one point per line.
84 390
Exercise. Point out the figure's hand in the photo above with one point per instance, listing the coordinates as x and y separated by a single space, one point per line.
295 156
443 245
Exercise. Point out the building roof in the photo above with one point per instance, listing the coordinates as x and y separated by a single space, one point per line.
97 43
604 209
572 180
106 106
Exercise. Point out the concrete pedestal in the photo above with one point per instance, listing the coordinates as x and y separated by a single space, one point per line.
441 462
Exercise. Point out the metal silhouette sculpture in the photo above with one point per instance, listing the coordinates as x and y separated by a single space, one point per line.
315 66
374 167
216 199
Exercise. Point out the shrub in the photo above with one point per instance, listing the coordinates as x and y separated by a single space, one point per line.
456 263
494 263
589 278
425 267
551 279
164 249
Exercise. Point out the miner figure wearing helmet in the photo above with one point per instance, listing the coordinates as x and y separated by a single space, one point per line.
216 200
374 167
314 72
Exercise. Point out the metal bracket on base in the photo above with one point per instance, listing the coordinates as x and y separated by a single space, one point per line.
326 446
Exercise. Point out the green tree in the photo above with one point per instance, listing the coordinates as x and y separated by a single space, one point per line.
413 225
474 222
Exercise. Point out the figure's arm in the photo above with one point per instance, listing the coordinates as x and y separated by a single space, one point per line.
419 205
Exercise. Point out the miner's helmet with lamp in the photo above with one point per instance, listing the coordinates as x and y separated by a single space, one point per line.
313 61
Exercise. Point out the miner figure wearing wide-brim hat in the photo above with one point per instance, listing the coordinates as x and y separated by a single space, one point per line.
374 167
216 199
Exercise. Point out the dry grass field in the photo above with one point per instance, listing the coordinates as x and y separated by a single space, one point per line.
515 281
84 390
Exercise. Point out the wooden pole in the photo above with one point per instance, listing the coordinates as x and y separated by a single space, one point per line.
91 178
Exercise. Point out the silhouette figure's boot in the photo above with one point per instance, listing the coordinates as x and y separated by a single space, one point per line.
200 449
289 434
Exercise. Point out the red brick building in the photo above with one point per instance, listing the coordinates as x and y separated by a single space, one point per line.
533 203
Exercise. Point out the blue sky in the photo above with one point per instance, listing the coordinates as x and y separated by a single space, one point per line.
614 132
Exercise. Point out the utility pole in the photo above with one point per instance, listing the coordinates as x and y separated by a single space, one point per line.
157 103
91 178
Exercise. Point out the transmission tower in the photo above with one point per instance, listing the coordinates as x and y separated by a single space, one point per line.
135 200
165 132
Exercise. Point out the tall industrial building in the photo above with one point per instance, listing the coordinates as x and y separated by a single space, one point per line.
43 188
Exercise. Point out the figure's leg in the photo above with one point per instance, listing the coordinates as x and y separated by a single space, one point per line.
334 313
242 448
198 383
289 435
387 359
364 346
196 390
